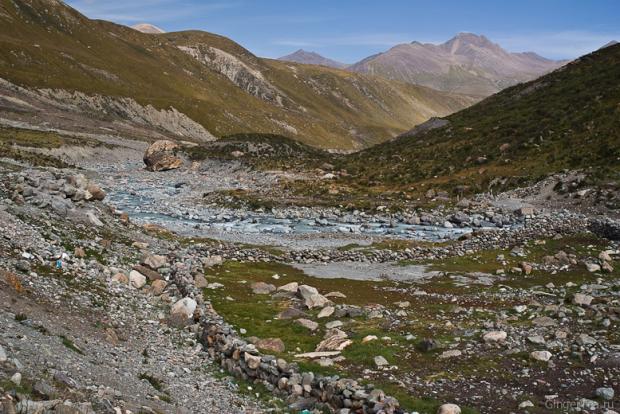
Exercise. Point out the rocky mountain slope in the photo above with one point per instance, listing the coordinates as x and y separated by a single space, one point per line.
467 63
567 119
209 79
312 58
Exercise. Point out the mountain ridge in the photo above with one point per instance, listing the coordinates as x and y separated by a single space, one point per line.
467 63
212 80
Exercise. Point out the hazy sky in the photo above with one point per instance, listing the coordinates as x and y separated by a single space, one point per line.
349 30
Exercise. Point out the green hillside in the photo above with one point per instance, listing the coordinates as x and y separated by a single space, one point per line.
568 119
46 44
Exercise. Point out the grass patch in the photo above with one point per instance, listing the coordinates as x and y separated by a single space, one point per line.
69 344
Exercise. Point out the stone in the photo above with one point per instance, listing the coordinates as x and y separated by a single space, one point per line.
335 295
604 256
335 340
291 313
526 404
543 356
158 286
544 322
449 409
316 301
93 219
453 353
96 192
326 312
333 324
316 355
185 307
252 361
120 278
154 261
262 288
526 267
381 362
16 378
289 287
593 267
136 279
148 272
3 356
307 323
582 299
369 338
494 336
305 291
607 268
606 393
79 252
161 156
525 211
271 345
536 339
200 281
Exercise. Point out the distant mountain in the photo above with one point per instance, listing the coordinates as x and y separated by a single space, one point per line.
312 58
147 28
467 63
567 119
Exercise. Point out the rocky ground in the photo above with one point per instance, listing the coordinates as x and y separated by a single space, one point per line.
511 307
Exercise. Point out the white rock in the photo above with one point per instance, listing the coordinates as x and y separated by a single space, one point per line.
252 360
326 312
453 353
449 409
541 355
582 299
381 362
495 336
185 306
593 267
333 324
137 279
520 308
526 404
369 338
154 261
94 220
3 356
16 378
289 287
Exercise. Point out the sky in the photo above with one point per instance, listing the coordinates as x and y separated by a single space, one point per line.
350 30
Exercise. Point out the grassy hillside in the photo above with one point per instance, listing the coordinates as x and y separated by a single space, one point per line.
45 44
568 119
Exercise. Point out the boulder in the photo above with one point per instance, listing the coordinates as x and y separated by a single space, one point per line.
326 312
185 307
582 299
271 345
161 156
335 340
543 356
158 286
307 323
137 279
449 409
149 273
96 192
494 336
289 287
154 261
381 362
252 361
262 288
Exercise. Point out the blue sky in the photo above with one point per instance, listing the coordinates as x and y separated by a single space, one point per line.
349 30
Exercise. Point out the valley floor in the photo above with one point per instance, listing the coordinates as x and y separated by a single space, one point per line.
111 277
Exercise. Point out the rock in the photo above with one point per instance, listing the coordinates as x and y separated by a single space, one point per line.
185 307
154 261
582 299
120 278
525 211
333 324
607 268
541 355
252 361
526 404
604 256
453 353
369 338
148 272
307 323
335 295
271 345
79 252
65 379
161 156
200 281
605 393
96 192
536 339
316 301
381 362
326 312
316 355
335 340
3 356
16 379
136 279
289 287
211 261
544 322
449 409
526 267
93 219
262 288
593 267
158 286
495 336
291 313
